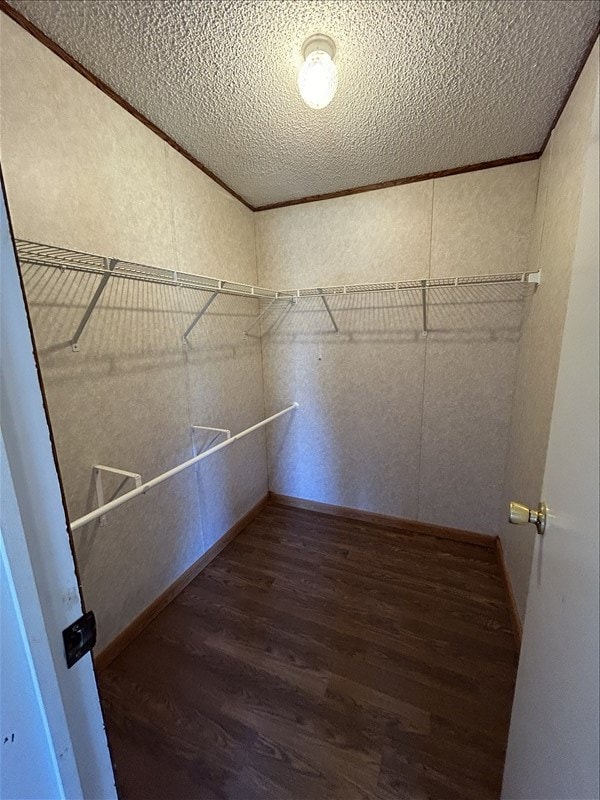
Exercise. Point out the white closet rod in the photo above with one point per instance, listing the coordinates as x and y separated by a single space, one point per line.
124 498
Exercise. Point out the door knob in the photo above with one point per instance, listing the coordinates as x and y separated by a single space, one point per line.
521 515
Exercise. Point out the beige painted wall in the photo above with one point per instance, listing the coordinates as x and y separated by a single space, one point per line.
552 250
390 421
82 173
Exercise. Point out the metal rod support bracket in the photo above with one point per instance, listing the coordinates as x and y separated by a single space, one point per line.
216 430
98 469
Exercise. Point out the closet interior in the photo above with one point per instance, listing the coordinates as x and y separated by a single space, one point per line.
425 295
288 432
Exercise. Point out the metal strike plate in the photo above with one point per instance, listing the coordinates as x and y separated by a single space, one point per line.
79 638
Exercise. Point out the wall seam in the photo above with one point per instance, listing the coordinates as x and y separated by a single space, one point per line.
544 200
184 353
420 463
171 209
262 362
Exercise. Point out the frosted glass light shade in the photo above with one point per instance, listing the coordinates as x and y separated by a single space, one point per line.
317 79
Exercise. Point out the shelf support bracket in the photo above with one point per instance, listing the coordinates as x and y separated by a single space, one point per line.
328 309
424 304
199 316
261 315
98 469
110 264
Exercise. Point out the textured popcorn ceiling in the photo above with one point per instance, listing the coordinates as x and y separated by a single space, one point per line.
423 85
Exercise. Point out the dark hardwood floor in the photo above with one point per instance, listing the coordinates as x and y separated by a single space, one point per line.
320 658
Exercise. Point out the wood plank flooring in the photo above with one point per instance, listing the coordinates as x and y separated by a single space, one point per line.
320 658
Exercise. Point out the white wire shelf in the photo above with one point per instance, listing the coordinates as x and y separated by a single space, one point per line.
36 254
424 283
42 255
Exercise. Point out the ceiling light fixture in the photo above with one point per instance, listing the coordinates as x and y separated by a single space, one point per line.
317 79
